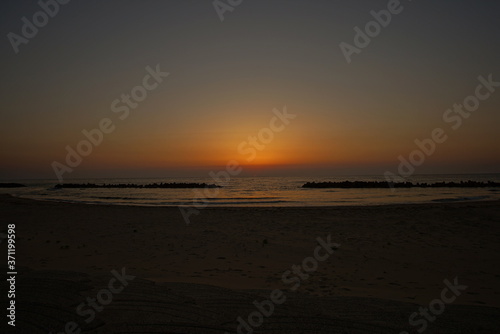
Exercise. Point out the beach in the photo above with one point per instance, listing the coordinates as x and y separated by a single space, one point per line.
199 278
250 167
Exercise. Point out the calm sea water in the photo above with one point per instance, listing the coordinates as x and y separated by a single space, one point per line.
260 191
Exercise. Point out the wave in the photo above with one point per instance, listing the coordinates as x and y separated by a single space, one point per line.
240 203
461 199
242 198
151 202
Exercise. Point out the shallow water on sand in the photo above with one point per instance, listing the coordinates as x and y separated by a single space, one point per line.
261 191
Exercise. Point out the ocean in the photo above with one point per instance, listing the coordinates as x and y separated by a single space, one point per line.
259 191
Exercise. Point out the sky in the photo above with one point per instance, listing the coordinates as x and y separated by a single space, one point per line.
225 78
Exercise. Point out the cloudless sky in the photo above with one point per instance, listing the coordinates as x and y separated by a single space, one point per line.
226 78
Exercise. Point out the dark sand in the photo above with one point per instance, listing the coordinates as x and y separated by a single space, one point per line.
200 278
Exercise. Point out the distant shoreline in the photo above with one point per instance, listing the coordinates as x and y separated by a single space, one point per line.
384 185
171 185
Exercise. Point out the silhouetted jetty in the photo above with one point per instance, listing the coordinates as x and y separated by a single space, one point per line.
11 185
383 184
139 186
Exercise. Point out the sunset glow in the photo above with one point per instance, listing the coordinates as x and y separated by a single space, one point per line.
222 87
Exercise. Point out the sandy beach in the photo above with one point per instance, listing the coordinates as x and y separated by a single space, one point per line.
343 157
200 278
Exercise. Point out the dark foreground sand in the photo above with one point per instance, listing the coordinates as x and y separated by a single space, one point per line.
200 278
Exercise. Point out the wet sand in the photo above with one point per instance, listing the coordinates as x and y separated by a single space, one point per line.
199 278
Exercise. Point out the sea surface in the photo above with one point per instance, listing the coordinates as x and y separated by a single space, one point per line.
259 191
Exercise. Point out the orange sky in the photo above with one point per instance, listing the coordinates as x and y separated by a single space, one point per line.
225 80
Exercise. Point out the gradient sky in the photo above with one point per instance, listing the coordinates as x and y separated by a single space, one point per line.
226 78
